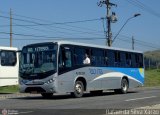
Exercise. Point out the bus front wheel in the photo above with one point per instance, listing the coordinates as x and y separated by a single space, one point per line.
78 89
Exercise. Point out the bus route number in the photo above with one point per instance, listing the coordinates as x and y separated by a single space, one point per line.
96 71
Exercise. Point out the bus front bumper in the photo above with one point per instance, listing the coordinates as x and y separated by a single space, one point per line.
40 88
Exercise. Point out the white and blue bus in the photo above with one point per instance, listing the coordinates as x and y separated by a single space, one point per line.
57 67
9 66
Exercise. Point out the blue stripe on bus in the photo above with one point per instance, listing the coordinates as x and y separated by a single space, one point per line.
137 73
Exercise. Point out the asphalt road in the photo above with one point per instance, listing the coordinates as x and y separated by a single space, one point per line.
65 104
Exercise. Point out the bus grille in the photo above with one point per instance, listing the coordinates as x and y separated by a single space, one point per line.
34 89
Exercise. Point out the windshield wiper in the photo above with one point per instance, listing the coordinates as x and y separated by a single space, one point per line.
27 70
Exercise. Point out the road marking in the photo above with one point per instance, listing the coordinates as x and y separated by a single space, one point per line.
140 98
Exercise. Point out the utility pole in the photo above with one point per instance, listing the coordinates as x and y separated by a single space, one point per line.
132 43
110 18
109 34
10 28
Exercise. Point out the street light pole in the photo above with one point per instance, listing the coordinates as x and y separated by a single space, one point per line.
135 15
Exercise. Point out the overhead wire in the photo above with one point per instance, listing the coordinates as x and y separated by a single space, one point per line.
47 24
144 7
63 23
68 29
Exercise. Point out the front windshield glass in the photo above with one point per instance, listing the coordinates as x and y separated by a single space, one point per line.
38 59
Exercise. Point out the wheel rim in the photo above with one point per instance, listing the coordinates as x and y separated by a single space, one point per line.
78 88
124 85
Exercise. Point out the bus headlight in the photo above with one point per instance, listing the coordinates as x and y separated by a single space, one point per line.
49 81
22 82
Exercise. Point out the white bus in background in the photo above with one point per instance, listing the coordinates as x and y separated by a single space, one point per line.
57 67
9 66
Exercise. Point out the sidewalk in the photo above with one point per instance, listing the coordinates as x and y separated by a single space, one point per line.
151 107
16 95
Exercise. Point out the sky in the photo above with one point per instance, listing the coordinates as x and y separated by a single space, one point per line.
29 14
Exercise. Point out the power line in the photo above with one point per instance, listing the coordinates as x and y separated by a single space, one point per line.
148 8
63 23
49 23
143 7
40 36
37 38
141 43
49 28
43 36
4 38
55 23
29 35
42 20
40 24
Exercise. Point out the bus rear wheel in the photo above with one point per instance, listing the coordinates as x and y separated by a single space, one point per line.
47 95
124 87
78 89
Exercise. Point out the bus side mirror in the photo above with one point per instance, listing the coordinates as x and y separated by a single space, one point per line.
19 51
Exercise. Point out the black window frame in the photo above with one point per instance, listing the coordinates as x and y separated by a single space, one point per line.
105 57
61 57
9 64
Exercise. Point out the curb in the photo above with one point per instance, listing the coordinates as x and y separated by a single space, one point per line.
157 106
14 95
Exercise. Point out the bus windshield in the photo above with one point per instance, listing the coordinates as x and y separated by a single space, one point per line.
38 59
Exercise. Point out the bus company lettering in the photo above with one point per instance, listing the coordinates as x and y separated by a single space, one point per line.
42 48
80 73
96 71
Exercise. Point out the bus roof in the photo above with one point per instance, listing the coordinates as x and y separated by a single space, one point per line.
87 45
96 46
8 48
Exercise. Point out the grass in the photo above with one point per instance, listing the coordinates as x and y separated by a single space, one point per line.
152 78
9 89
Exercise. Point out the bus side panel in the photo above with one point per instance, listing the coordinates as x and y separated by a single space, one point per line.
134 83
100 78
111 83
96 78
106 77
137 79
135 75
8 75
67 80
111 77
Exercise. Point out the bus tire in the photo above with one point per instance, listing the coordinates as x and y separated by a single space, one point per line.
78 89
124 87
47 95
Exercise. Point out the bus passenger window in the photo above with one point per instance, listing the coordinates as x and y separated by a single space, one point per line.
141 60
117 57
128 59
78 56
8 58
68 62
106 59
